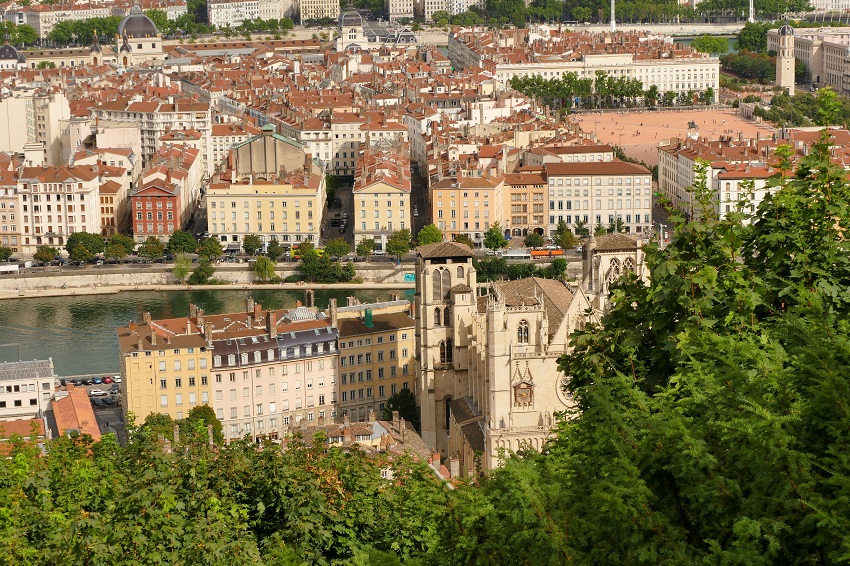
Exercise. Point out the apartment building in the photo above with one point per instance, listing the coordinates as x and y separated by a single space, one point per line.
381 192
230 13
318 9
545 52
226 136
599 194
397 9
468 204
376 356
173 8
526 197
26 388
33 117
44 17
260 370
156 118
9 219
56 201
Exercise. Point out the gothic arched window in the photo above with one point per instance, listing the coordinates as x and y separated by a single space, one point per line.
629 265
447 316
449 351
460 272
436 283
442 352
437 317
522 332
447 283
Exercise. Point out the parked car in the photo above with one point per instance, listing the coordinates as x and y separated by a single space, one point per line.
116 379
77 383
106 379
114 390
96 381
62 382
87 381
97 393
107 401
97 402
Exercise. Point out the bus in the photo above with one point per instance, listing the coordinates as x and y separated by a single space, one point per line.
8 268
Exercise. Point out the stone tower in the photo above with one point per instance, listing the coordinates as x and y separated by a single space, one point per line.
785 59
445 304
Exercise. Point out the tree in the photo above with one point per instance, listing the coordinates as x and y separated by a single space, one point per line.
365 247
465 240
429 234
21 34
210 249
581 228
114 251
82 246
564 238
204 415
5 253
274 250
753 37
711 44
405 403
264 268
398 243
151 248
534 240
252 244
493 238
126 243
182 267
202 274
45 254
337 247
182 242
46 65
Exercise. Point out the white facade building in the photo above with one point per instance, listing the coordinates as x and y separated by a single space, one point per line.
25 389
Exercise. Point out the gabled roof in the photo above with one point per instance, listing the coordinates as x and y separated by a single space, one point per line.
444 250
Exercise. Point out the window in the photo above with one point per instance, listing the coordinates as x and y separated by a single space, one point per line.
522 332
178 382
447 316
446 353
163 384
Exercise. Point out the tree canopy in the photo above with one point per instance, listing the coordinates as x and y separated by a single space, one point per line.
493 237
429 234
151 248
252 244
398 243
182 242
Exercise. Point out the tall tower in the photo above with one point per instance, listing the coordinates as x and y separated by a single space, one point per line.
785 59
752 18
613 19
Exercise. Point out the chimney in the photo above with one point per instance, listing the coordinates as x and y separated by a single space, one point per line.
367 319
146 318
454 466
395 420
297 304
346 435
193 310
153 337
435 458
249 305
271 327
332 312
141 345
208 333
403 428
200 317
258 313
371 415
309 298
346 420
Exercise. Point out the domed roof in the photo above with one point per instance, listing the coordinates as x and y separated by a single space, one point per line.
137 24
786 30
9 53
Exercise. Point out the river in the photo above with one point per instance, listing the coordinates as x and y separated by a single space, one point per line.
79 332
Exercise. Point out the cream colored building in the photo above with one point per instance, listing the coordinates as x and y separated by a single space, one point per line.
381 193
468 205
26 389
598 193
230 13
34 117
487 376
376 356
823 50
318 9
260 370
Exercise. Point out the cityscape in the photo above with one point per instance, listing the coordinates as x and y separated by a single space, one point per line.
400 282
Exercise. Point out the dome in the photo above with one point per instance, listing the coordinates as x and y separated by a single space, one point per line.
136 24
9 53
786 30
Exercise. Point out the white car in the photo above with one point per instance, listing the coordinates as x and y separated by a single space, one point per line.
97 393
116 379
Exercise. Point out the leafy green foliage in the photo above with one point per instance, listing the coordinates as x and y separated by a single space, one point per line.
82 246
264 268
21 34
126 243
564 238
463 239
365 247
82 31
534 240
750 65
43 254
182 242
252 244
151 248
274 250
497 269
5 253
337 247
202 274
182 267
398 243
405 403
806 109
493 237
429 234
711 44
210 249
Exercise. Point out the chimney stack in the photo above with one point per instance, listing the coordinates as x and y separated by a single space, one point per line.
193 310
403 428
454 466
258 314
249 305
371 415
146 317
208 329
200 317
346 420
271 327
332 312
153 337
395 420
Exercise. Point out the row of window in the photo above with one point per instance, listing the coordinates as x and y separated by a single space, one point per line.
257 357
178 399
366 392
308 367
259 408
368 341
